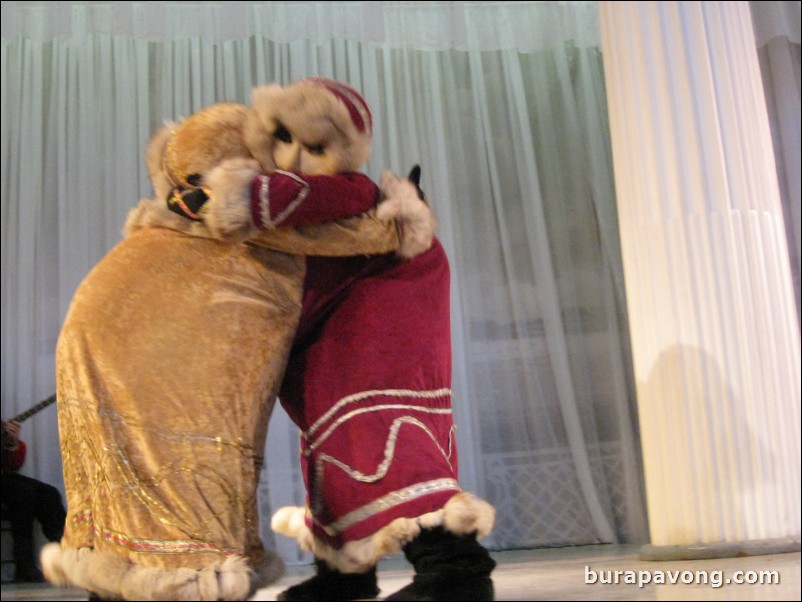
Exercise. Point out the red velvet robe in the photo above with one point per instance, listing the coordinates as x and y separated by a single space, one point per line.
369 384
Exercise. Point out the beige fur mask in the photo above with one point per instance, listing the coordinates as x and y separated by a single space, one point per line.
318 127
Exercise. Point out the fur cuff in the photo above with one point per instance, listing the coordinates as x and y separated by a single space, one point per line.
114 578
463 514
228 212
417 220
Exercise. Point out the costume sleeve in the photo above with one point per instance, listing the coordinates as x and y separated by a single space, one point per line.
286 198
13 459
360 235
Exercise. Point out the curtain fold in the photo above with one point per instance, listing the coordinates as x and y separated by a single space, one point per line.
714 329
503 105
777 34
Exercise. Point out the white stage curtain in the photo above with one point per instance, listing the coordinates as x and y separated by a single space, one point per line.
503 104
777 34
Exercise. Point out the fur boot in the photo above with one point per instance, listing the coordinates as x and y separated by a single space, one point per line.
447 567
331 584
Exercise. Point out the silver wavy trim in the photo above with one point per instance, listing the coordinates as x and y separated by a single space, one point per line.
389 452
355 397
316 442
388 501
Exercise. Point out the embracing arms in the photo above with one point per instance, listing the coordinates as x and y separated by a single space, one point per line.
308 215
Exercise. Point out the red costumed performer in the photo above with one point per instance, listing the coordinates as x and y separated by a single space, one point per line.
369 384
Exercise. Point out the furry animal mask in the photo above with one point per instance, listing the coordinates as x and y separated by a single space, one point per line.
180 155
328 123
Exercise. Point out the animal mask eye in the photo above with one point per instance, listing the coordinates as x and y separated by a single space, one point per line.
315 149
283 134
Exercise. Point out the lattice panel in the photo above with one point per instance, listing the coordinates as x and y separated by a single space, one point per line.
539 502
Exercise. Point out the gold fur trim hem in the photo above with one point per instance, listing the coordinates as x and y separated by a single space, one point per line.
114 578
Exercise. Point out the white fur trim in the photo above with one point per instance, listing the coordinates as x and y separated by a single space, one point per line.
289 521
50 557
228 212
462 514
113 577
402 203
465 513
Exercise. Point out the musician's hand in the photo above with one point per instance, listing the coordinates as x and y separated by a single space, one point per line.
11 434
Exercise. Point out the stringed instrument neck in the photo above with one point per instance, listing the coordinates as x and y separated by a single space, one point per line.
34 409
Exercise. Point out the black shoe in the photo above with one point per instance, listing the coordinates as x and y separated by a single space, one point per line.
330 584
447 567
28 575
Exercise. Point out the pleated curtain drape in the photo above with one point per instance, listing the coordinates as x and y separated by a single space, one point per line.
504 106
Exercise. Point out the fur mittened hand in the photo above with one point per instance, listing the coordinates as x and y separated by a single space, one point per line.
402 203
228 212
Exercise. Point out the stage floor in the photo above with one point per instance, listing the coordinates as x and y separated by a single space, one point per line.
578 573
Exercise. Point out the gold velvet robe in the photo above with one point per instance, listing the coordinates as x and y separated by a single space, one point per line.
168 365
